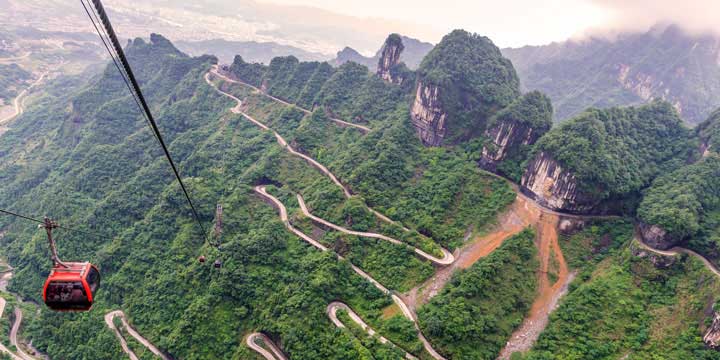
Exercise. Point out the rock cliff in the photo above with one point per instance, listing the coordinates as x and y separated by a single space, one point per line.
712 335
515 128
504 136
390 59
460 84
657 237
427 115
554 187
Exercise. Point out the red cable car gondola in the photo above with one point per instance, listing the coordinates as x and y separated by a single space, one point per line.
70 286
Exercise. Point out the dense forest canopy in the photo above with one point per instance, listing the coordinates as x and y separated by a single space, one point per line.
686 204
88 158
618 151
83 154
709 131
474 78
11 78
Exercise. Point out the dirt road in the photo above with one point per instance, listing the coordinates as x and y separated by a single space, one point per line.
109 322
274 353
549 294
521 214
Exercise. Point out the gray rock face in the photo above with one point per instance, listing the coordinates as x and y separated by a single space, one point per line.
428 115
712 335
389 58
659 261
657 237
505 135
554 187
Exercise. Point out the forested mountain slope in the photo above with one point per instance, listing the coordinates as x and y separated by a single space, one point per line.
83 154
632 68
600 160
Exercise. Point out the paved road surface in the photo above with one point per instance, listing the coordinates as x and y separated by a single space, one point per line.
447 258
118 313
677 250
18 102
332 310
14 332
273 354
3 349
343 123
400 303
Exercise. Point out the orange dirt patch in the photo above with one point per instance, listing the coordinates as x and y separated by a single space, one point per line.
549 294
390 311
521 214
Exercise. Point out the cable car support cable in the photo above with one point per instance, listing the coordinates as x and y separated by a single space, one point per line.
136 91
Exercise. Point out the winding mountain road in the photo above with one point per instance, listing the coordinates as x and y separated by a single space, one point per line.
18 102
332 310
13 335
216 72
273 354
4 349
109 317
346 191
677 250
447 258
398 301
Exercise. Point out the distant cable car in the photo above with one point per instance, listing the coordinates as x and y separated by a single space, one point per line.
70 286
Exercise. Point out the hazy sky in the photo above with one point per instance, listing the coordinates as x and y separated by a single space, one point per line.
523 22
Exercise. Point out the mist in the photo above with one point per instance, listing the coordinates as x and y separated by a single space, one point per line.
694 16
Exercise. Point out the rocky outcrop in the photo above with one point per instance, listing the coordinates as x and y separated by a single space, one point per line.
712 335
516 127
390 59
657 237
504 136
428 115
554 187
659 261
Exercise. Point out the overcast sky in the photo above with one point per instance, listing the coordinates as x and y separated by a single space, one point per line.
526 22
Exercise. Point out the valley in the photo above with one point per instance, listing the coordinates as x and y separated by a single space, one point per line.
424 251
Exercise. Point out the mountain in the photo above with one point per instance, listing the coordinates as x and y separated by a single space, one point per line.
413 53
334 209
461 83
83 154
603 158
252 51
633 68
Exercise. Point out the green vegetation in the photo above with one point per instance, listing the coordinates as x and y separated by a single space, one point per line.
620 304
11 79
350 92
376 349
532 111
709 131
686 204
475 314
95 164
614 153
474 78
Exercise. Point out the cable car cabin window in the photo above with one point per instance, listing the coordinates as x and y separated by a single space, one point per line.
67 295
93 280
